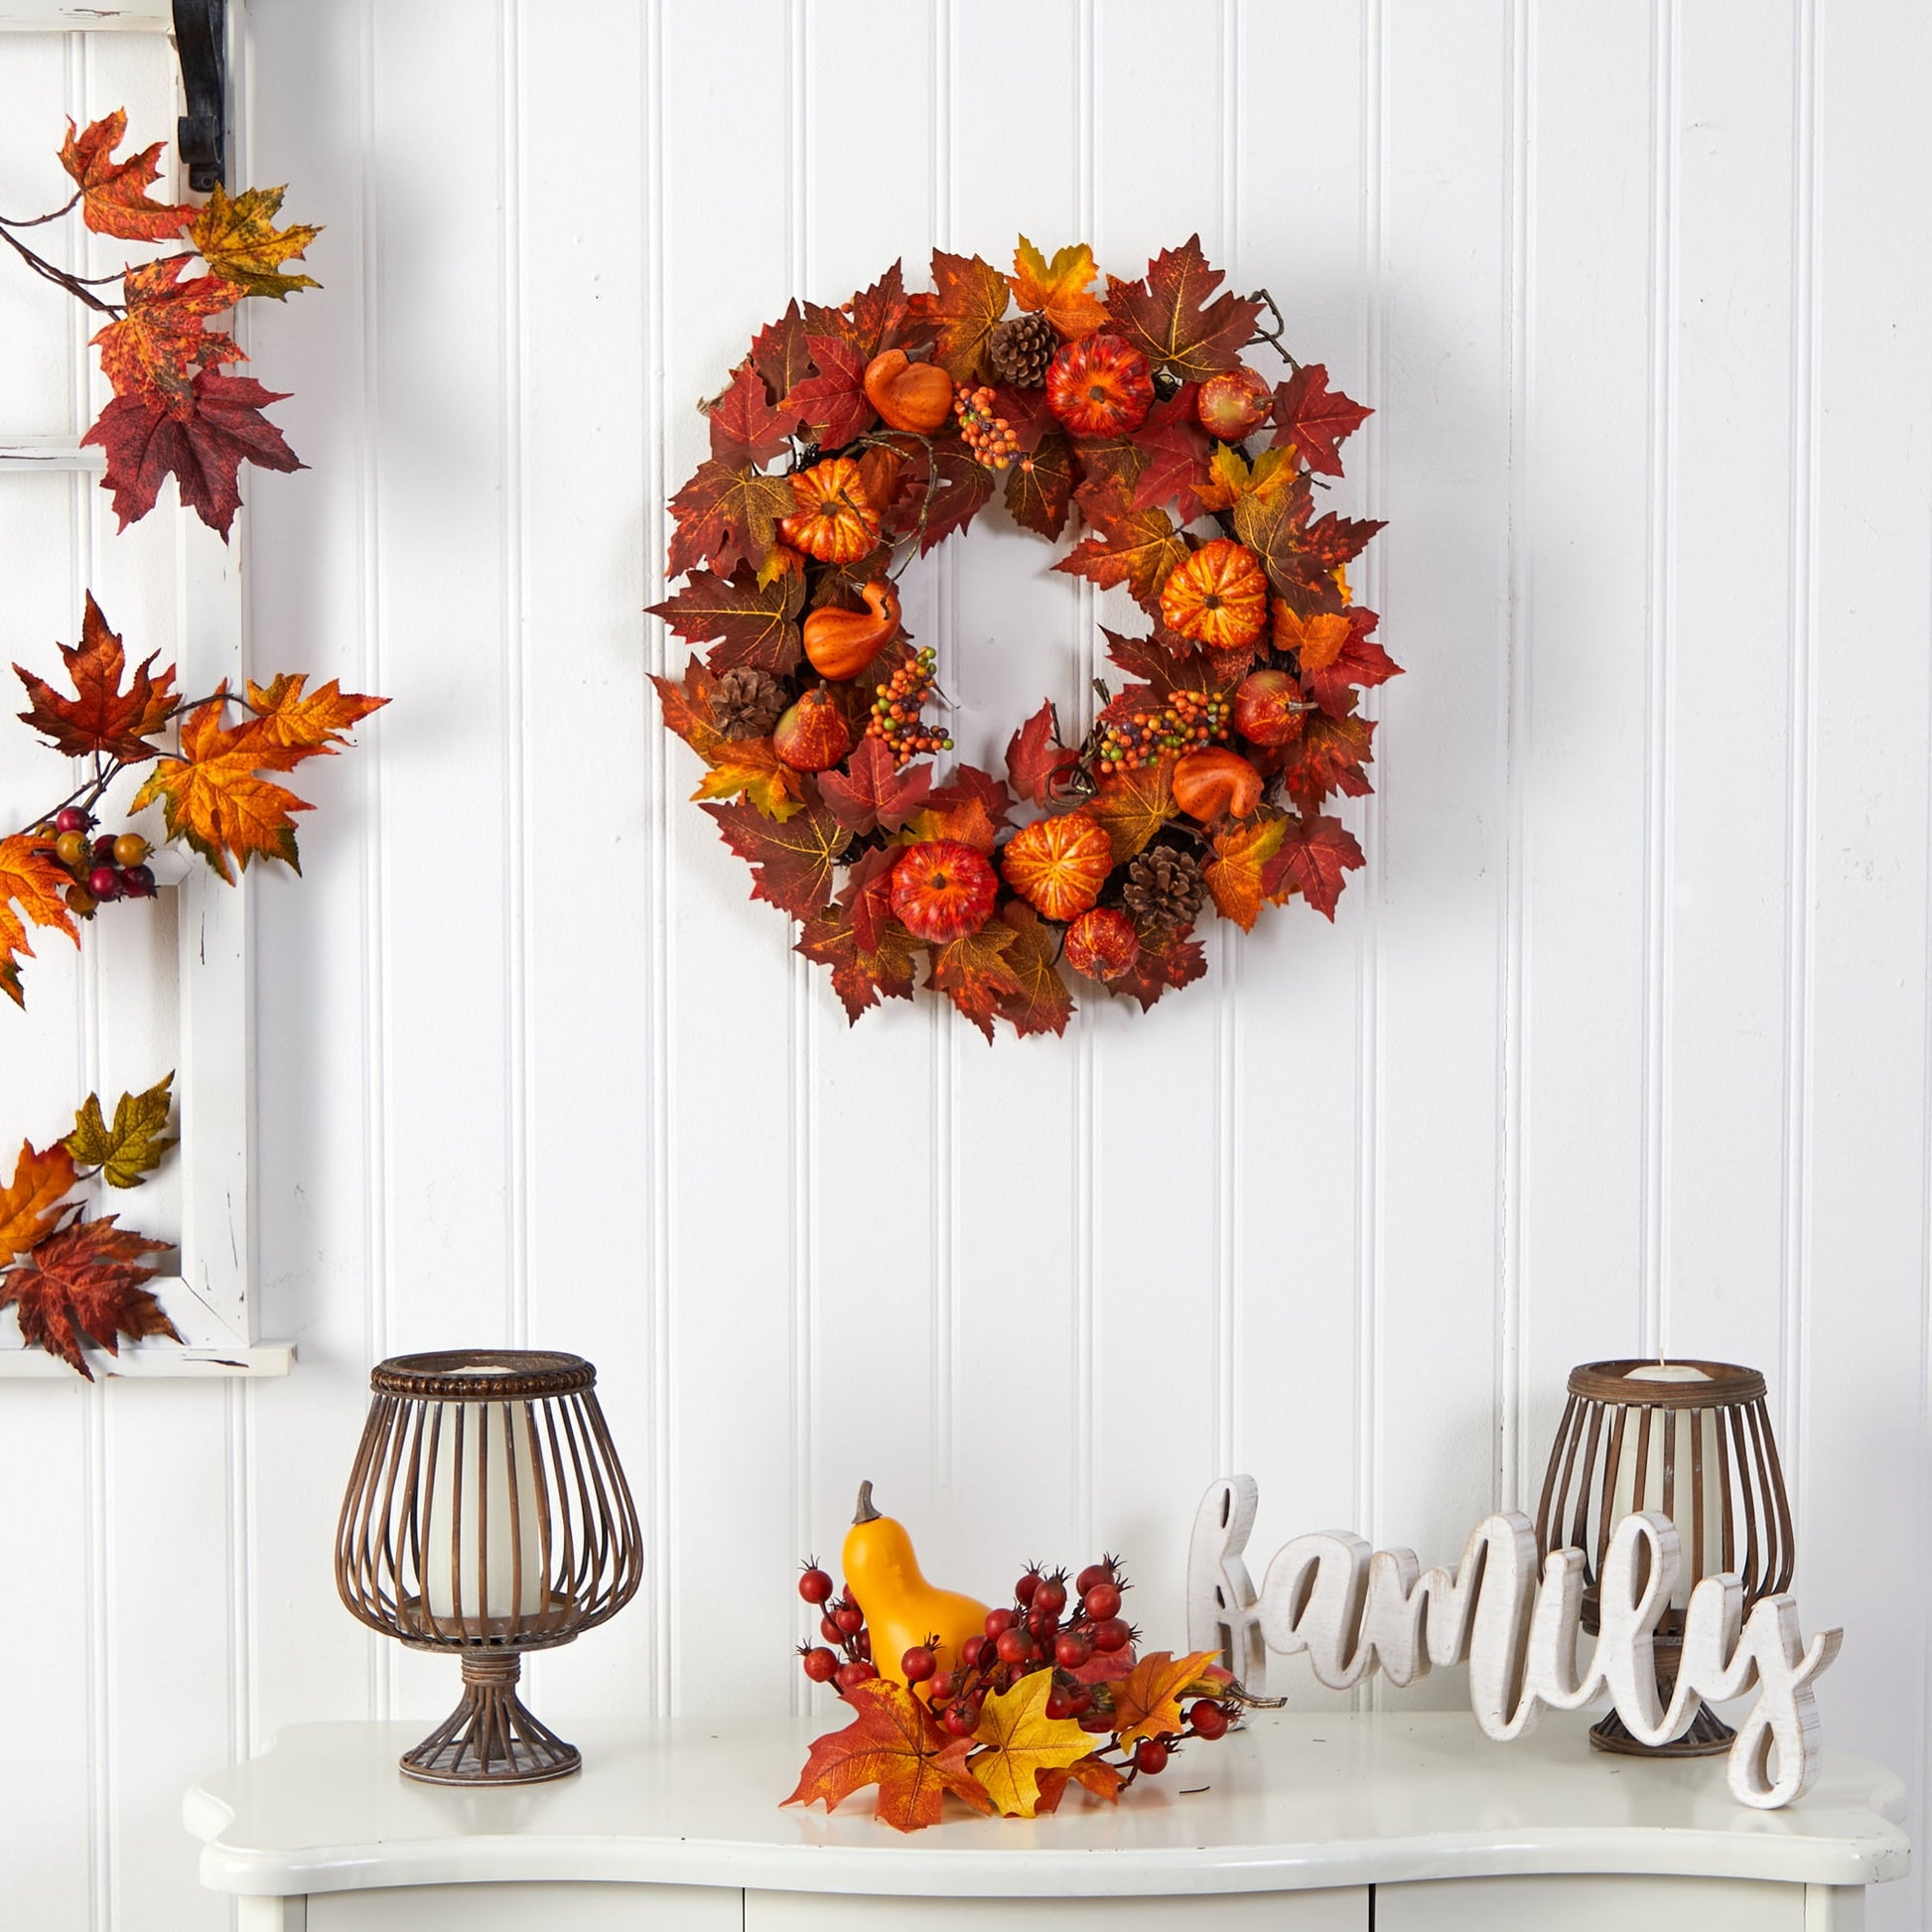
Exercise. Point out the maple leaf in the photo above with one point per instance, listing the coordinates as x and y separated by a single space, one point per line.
727 514
1147 1702
1138 549
969 783
754 623
792 862
1167 960
687 708
1170 662
311 722
744 428
1039 486
966 821
1028 414
84 1284
239 239
963 490
1334 540
154 351
31 1202
1094 1774
832 402
1043 1005
114 194
974 972
860 976
1317 641
212 798
1058 288
866 896
1176 448
35 880
1315 418
894 1744
967 304
871 794
1019 1741
202 439
1361 663
753 766
134 1145
1275 527
1328 757
1229 477
1316 852
1170 319
880 316
1134 805
1234 876
1036 758
102 715
781 353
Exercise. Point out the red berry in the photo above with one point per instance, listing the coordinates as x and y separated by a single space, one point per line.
1082 1699
1102 1600
815 1586
1022 1590
1111 1633
1014 1646
1096 1721
104 849
961 1721
1151 1756
1094 1572
943 1687
848 1675
71 818
138 881
849 1618
1071 1651
971 1651
1059 1703
1050 1597
1209 1720
821 1666
104 883
830 1631
999 1622
918 1664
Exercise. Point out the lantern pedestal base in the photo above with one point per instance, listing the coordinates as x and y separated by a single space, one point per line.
490 1737
1708 1736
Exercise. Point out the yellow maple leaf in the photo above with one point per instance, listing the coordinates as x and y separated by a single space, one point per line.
30 1204
1021 1741
312 720
1233 875
239 239
1147 1701
134 1144
1230 476
750 766
1058 288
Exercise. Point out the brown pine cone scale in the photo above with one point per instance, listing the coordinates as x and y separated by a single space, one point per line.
747 702
1021 349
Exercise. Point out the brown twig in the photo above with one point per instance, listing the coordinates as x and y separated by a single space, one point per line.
1275 334
58 276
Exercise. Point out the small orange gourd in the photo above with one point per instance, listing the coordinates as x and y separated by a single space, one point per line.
1214 783
902 1609
841 643
909 395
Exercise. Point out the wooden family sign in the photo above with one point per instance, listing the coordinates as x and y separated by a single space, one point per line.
1515 1624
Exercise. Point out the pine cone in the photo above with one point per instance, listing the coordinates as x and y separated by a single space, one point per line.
747 702
1021 349
1164 887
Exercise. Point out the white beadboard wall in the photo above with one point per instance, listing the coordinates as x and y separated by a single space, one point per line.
1620 1043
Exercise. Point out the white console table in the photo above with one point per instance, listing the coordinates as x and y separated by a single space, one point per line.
1306 1824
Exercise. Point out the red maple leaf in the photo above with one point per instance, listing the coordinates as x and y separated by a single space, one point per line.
833 401
1035 758
1334 540
1042 1003
1361 663
1177 448
114 194
1170 662
727 514
1166 959
975 974
966 305
871 794
1039 486
1328 755
970 785
744 428
1315 853
893 1742
102 715
203 447
882 316
781 353
1171 320
1315 418
861 975
754 623
792 862
83 1284
1138 549
866 896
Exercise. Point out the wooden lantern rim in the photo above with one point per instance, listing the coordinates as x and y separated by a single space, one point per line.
451 1375
1729 1386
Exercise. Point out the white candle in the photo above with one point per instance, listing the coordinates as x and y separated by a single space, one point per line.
1672 1435
484 1526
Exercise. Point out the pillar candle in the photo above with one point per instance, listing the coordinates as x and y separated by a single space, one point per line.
482 1480
1672 1431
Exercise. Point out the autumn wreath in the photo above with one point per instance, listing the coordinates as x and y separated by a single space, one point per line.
851 440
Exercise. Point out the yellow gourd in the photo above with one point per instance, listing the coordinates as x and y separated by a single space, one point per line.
902 1609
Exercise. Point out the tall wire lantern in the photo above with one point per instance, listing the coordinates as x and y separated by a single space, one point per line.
487 1515
1692 1439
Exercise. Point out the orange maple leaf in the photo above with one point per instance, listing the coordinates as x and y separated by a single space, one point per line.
114 194
1235 875
894 1744
212 798
1318 640
100 715
32 879
1058 288
965 308
30 1204
753 766
309 721
84 1283
974 974
1147 1702
1134 805
1094 1774
1021 1741
1043 1005
155 350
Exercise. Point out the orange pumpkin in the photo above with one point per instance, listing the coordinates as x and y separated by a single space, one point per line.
914 396
1215 782
833 519
943 890
841 643
1099 385
1218 597
1059 865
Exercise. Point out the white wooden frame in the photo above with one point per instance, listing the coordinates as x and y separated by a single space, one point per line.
212 1299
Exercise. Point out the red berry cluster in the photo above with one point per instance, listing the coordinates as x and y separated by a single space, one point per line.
897 711
1189 720
841 1623
991 438
104 868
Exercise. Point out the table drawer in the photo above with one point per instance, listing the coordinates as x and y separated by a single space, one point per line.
527 1908
1341 1910
1589 1904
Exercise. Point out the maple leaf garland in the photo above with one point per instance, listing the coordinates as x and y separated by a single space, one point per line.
172 412
843 413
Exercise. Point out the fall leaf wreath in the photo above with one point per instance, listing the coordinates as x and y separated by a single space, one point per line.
850 441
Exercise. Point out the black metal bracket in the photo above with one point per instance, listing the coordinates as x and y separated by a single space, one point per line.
200 40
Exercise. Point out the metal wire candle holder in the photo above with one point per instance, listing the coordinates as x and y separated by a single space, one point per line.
1700 1450
487 1514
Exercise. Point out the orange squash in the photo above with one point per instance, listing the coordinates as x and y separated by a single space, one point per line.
1215 782
1059 865
1218 597
902 1609
909 395
833 519
841 643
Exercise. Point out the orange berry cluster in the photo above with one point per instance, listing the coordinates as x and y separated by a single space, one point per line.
990 438
1187 720
896 707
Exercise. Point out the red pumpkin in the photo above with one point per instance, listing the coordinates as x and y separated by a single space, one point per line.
1059 865
1102 944
943 890
1100 386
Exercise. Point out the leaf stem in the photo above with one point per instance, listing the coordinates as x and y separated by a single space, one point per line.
58 276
